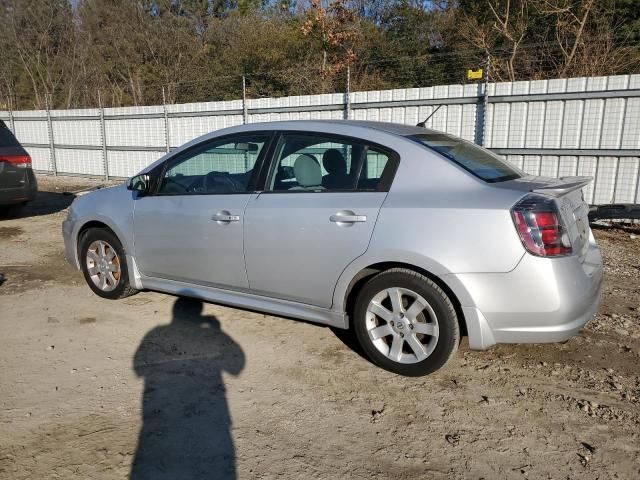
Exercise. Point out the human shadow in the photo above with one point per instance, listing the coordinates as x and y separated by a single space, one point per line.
186 431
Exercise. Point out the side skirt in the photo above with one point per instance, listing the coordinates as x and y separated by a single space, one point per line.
248 301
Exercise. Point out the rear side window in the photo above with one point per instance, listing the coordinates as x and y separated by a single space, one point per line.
6 137
328 163
480 162
373 170
314 163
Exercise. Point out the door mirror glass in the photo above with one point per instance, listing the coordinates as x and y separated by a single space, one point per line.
139 183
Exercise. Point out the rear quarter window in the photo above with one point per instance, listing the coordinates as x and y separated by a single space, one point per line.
6 137
480 162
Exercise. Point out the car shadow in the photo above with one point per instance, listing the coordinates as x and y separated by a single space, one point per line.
349 340
186 430
45 203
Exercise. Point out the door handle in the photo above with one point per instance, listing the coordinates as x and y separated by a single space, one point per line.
225 216
347 218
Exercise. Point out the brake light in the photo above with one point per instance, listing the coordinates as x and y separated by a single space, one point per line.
540 227
18 161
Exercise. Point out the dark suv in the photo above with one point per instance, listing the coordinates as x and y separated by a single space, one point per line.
17 181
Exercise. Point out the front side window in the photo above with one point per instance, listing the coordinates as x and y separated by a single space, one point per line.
315 163
480 162
225 166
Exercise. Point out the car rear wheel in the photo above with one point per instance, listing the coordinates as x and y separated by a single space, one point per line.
104 264
406 323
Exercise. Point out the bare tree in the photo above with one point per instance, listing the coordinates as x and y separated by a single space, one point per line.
570 19
501 37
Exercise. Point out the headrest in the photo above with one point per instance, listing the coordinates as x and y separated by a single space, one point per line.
307 170
334 162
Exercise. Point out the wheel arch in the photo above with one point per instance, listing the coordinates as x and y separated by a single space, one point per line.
364 274
85 226
99 224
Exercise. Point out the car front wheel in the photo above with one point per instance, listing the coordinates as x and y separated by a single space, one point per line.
406 323
104 264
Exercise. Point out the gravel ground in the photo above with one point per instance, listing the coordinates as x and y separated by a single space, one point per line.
103 390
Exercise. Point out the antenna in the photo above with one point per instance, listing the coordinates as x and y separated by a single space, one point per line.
424 123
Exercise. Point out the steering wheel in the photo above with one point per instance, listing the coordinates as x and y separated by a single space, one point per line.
197 186
221 182
170 183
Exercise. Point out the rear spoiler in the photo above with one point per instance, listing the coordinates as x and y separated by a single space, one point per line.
563 186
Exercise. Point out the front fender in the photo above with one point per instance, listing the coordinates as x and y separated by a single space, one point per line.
112 207
117 229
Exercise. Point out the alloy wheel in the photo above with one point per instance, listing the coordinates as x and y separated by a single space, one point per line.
103 265
402 325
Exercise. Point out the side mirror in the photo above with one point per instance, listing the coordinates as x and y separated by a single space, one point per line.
139 183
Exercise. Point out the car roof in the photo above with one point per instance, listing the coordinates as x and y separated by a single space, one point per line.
334 126
397 128
387 127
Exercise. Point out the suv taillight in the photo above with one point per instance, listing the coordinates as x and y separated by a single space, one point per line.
540 226
18 161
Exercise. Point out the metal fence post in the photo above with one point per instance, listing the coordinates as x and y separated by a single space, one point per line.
485 102
347 95
103 139
12 121
52 148
245 113
636 195
166 121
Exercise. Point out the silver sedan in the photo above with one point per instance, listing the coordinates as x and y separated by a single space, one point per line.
409 237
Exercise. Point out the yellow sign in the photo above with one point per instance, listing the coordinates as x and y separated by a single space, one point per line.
474 74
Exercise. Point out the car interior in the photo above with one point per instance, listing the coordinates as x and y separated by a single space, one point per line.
220 169
304 163
311 164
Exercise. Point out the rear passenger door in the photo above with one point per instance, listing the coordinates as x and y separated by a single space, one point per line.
316 214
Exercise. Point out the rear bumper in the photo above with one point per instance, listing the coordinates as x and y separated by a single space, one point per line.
542 300
16 195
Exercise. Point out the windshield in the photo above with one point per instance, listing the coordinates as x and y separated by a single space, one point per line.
480 162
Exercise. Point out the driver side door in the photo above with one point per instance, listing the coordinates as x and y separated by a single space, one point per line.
190 228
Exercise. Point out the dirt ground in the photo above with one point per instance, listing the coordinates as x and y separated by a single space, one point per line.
87 386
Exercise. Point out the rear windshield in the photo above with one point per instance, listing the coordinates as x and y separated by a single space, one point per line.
6 137
480 162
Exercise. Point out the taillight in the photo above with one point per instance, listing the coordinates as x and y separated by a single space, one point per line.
540 227
18 161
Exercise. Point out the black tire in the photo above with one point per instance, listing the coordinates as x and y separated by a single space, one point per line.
123 288
449 331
